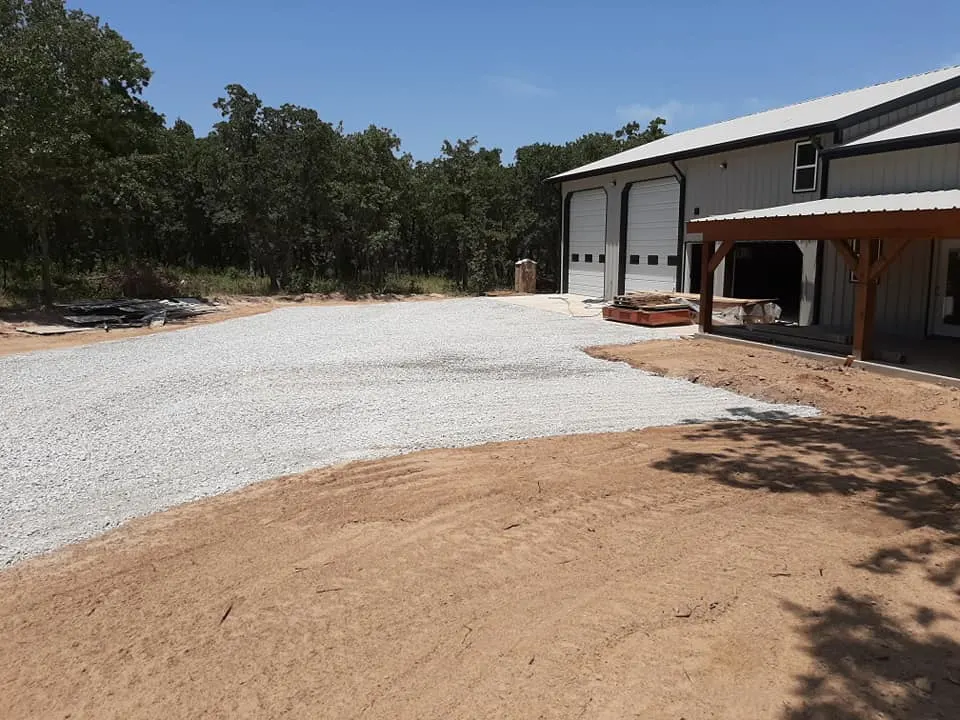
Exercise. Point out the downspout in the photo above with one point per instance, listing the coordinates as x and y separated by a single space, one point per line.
681 259
824 192
564 279
622 254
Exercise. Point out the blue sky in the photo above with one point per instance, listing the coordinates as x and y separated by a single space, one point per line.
513 73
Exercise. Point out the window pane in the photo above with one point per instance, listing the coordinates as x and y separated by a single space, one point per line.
806 154
673 260
588 258
634 259
653 260
575 257
806 179
602 259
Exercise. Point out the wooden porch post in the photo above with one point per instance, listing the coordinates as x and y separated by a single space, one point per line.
865 301
706 287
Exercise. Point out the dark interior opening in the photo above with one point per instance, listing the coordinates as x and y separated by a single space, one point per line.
766 270
695 251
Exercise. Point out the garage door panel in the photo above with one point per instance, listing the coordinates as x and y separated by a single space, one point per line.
586 261
652 214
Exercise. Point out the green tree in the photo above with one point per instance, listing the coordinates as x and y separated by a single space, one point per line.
69 93
631 136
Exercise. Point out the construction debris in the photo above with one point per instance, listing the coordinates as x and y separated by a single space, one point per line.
50 329
650 308
133 313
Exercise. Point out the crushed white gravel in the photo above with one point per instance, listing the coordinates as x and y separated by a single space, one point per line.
95 435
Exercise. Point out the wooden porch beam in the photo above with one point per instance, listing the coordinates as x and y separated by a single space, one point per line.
908 225
865 301
890 255
706 287
725 247
846 252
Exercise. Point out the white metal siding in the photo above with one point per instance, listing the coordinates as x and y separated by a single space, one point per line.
901 295
653 209
588 223
919 169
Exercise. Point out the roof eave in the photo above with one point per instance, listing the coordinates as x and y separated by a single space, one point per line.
923 93
754 141
883 146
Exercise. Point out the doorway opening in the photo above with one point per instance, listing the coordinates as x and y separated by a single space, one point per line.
771 270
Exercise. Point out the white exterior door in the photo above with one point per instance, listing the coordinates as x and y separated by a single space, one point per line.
586 260
946 290
653 211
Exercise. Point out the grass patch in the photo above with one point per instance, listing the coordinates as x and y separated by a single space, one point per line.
147 281
207 283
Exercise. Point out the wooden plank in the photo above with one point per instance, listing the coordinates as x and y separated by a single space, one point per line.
846 252
706 287
725 248
865 302
907 225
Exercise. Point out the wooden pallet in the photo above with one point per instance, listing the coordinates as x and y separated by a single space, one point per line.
649 317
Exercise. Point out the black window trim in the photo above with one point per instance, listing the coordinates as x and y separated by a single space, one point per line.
797 167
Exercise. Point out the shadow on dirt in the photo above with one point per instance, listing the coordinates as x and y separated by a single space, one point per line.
906 463
869 664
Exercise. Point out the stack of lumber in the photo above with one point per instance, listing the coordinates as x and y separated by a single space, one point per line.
638 300
650 309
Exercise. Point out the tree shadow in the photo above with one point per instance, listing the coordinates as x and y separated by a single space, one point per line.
869 662
869 665
907 464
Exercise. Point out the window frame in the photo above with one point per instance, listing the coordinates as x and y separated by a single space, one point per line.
797 167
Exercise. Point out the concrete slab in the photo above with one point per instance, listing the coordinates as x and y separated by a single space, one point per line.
565 304
581 306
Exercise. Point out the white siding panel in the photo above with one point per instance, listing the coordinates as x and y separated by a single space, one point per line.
588 223
652 212
901 295
916 170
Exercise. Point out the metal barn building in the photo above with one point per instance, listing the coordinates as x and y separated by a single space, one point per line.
635 221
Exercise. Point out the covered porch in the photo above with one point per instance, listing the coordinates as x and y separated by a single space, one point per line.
870 234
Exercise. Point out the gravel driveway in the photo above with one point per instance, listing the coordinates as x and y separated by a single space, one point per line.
95 435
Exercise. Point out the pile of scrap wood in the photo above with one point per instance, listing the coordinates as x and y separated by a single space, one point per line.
640 300
650 309
727 311
132 313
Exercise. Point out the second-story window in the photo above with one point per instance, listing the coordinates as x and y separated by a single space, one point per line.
805 167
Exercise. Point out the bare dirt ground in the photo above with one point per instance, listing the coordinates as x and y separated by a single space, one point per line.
12 341
803 568
778 376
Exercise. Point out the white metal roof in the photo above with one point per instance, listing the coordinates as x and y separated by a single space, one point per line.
933 200
939 121
808 114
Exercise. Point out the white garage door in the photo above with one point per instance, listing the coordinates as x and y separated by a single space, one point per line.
652 214
586 260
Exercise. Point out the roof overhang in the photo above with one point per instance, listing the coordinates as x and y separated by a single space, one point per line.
794 134
908 216
882 146
794 122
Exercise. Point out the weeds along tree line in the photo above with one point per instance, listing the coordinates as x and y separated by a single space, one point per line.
93 179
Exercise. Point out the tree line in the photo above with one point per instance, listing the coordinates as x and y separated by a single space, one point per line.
91 177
